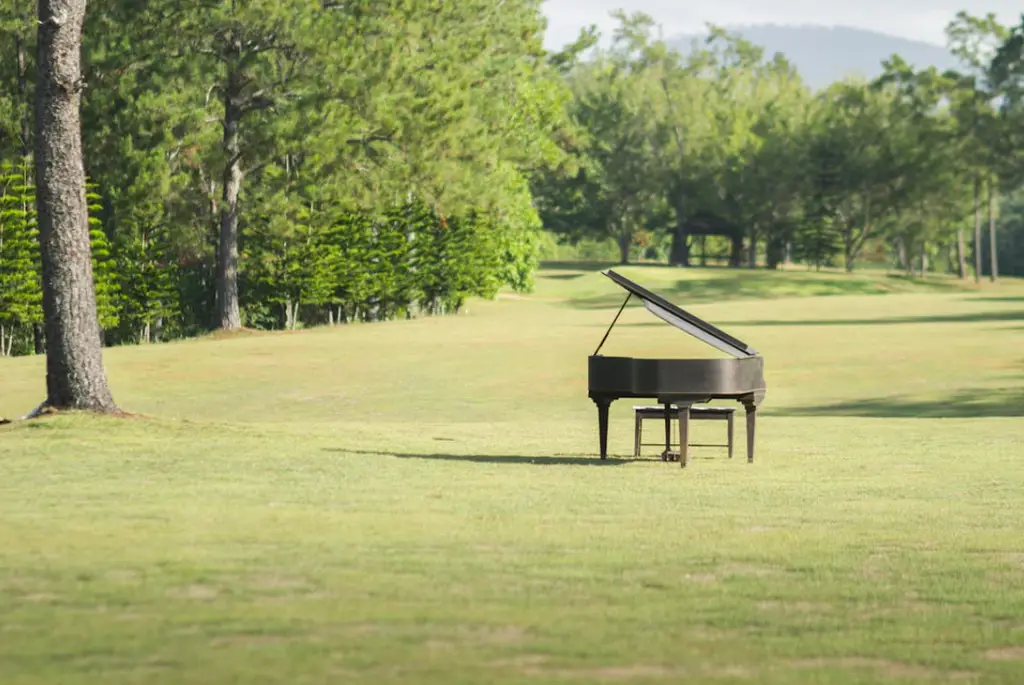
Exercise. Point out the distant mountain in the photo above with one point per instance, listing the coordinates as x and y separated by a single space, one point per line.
825 54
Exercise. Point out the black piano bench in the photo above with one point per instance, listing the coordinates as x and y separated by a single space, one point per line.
696 414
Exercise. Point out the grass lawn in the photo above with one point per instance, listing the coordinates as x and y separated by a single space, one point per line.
420 501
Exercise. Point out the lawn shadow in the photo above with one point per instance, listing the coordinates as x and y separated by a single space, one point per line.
995 298
974 317
966 404
556 460
763 284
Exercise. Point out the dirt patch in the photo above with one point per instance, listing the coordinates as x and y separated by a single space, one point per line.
492 635
701 577
1014 653
194 592
797 607
40 598
749 570
278 583
885 667
250 640
626 673
122 576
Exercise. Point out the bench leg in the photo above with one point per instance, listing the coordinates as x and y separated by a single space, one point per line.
637 432
751 424
729 430
684 433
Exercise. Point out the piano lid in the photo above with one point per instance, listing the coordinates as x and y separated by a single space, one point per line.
683 320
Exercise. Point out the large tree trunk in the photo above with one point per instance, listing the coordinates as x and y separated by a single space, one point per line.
75 377
961 250
228 313
977 230
992 251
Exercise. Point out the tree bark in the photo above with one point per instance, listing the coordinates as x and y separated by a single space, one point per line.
75 377
229 315
625 239
961 249
992 249
26 124
977 230
679 253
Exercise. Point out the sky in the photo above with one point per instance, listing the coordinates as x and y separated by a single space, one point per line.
922 20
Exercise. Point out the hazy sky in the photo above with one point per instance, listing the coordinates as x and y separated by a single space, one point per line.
918 19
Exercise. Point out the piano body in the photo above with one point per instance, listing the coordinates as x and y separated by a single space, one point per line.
680 382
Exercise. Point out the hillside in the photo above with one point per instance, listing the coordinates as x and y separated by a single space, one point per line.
825 54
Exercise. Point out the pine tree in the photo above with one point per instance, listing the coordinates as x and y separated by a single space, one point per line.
20 290
104 266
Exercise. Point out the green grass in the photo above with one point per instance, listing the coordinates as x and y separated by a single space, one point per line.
420 502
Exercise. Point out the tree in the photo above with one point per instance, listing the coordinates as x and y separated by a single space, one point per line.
975 40
75 377
20 295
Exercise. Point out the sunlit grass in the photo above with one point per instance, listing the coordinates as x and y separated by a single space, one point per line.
420 501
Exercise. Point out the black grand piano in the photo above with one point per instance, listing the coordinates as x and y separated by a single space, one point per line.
679 382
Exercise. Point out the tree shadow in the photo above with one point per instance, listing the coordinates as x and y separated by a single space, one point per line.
556 460
996 298
765 284
974 317
966 404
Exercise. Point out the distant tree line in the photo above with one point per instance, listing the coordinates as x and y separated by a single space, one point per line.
307 162
724 155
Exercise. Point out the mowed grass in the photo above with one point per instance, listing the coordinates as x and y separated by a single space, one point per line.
421 502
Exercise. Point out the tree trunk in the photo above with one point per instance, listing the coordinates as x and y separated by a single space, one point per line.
679 254
624 241
26 124
736 254
961 250
752 251
75 377
977 230
992 250
229 315
38 339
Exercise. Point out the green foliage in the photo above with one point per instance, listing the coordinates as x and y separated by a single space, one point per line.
104 265
20 284
394 159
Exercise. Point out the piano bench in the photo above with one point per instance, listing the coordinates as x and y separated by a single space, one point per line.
657 411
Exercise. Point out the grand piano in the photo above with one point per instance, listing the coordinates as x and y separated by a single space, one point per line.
679 382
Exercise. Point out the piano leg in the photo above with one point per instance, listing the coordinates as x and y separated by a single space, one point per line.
684 433
602 425
751 423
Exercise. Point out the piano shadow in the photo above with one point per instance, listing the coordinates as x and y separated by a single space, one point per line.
555 460
966 404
